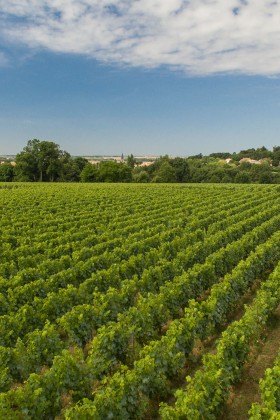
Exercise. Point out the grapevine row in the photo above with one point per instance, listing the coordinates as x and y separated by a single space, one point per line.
125 392
269 408
209 389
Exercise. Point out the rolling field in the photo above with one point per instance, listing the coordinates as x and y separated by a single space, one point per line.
126 301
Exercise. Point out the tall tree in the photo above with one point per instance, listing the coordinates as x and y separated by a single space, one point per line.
166 173
72 168
181 167
39 161
89 173
130 161
111 171
27 162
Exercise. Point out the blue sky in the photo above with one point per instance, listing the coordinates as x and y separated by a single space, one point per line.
144 77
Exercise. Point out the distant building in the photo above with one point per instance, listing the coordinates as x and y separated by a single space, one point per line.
94 162
249 160
3 162
148 163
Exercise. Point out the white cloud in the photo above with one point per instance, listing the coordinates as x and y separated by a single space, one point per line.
195 36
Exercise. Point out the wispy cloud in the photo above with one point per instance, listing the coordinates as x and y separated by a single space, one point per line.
198 37
4 60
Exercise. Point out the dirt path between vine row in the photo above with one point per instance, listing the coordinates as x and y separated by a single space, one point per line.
262 357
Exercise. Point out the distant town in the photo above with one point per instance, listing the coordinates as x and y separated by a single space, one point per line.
42 161
94 159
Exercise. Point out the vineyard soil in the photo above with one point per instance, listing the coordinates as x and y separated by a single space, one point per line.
262 357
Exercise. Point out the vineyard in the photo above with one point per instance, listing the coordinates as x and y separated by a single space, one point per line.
122 301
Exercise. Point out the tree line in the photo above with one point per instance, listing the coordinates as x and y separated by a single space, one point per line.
44 161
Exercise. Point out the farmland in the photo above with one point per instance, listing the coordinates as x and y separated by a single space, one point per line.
109 291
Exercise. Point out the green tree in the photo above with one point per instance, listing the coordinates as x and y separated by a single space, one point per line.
214 179
49 162
155 166
226 179
112 171
245 166
27 162
80 163
220 155
125 173
242 178
72 168
258 172
109 171
181 168
141 176
166 173
276 156
89 173
131 161
6 172
266 178
39 161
